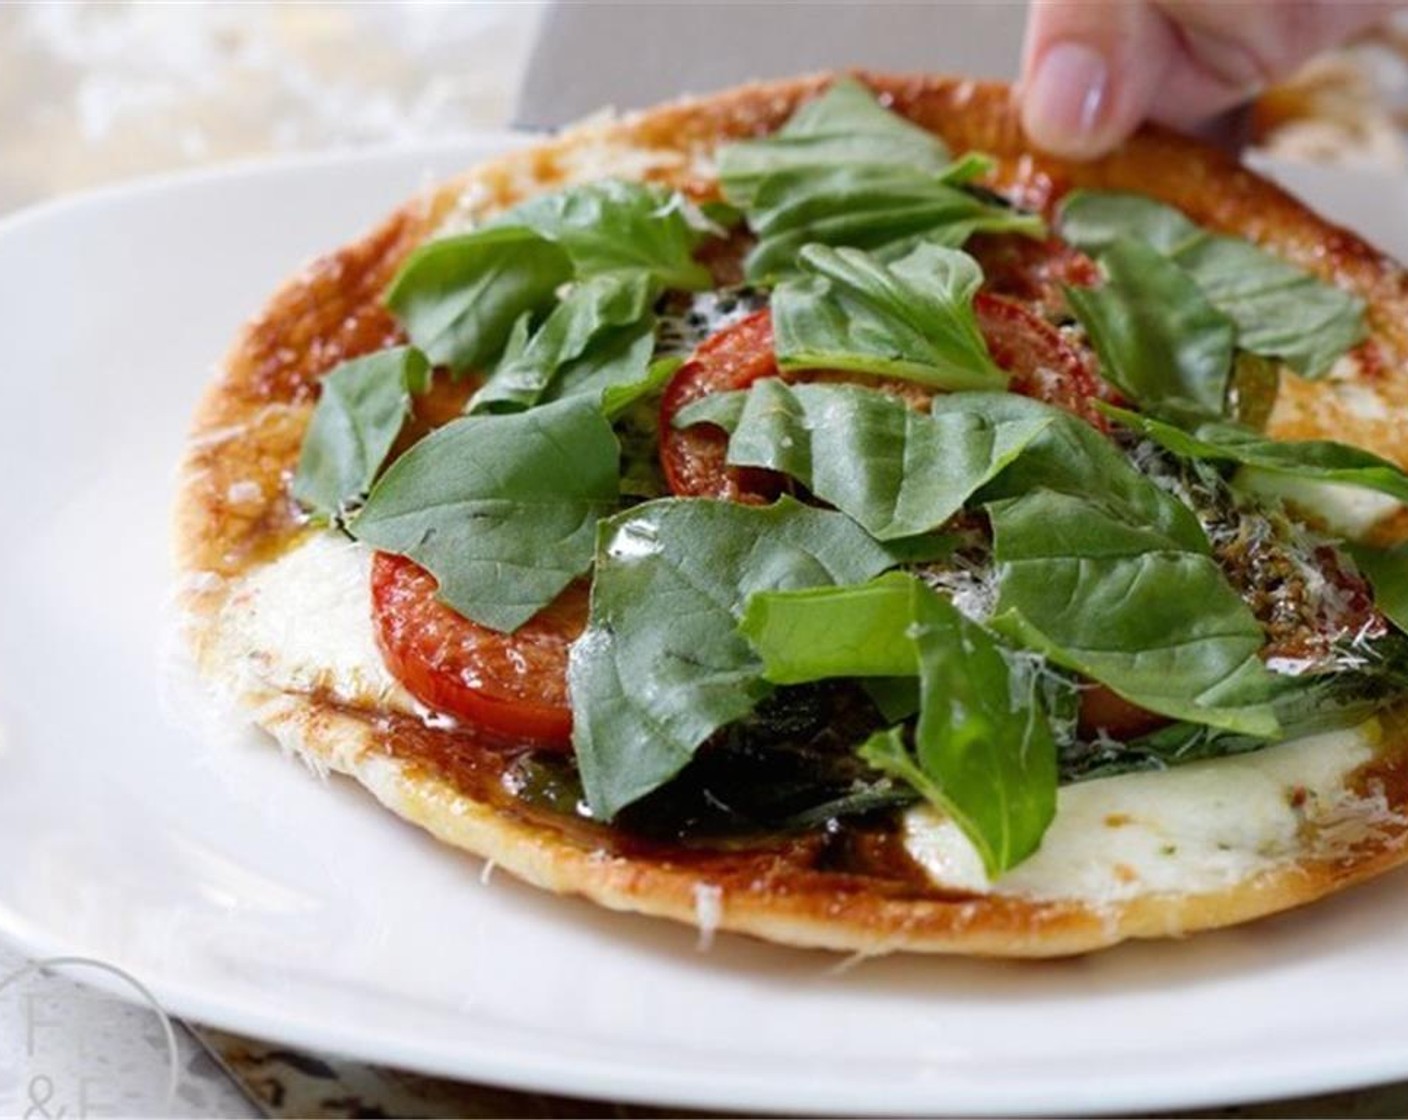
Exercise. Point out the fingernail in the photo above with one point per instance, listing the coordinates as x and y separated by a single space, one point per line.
1063 102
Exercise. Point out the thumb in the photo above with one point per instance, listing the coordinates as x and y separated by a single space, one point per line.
1091 73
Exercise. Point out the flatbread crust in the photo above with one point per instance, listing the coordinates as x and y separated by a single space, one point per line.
234 514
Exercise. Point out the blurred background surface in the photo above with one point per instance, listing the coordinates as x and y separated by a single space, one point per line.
93 92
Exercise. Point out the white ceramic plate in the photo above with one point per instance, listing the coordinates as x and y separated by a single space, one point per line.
250 895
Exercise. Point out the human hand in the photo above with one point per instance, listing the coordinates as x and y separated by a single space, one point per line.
1094 70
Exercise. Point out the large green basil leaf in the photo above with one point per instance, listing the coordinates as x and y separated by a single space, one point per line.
912 319
845 127
602 333
459 297
1158 337
502 510
1280 311
897 471
662 666
1072 457
1123 605
1322 460
878 209
610 226
361 407
982 752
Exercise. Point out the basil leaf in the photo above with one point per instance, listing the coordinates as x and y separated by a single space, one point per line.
846 126
1071 457
983 751
896 471
361 407
1306 705
634 411
1125 606
501 509
610 225
723 214
913 319
846 172
1093 221
896 698
459 297
1158 338
723 410
982 737
1319 459
661 665
877 209
1280 311
602 324
1387 572
968 167
822 633
620 397
613 375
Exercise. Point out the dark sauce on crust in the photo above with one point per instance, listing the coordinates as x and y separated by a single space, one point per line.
864 854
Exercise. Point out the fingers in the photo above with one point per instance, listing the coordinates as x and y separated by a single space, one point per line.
1095 69
1091 72
1228 53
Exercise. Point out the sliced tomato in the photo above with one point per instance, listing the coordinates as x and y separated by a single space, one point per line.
510 685
1102 710
693 458
1043 364
1033 272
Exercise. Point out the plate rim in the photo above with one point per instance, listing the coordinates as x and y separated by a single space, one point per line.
622 1080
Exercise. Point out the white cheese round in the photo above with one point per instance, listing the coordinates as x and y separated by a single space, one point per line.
1194 828
304 624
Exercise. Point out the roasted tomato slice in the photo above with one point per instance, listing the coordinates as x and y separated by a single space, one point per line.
1033 272
509 685
693 458
1105 712
1043 364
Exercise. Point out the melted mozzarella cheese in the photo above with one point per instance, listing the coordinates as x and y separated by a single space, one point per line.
1196 828
304 624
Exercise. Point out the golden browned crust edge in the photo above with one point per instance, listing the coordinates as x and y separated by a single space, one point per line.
249 424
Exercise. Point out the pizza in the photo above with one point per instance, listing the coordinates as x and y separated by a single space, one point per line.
806 511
